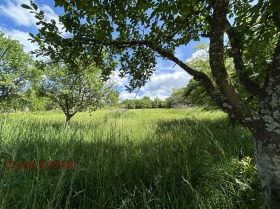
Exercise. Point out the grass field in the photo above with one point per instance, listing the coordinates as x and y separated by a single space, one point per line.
156 158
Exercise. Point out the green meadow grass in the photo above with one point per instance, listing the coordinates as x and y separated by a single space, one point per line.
156 158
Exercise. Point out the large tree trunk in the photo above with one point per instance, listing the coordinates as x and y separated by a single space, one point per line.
267 155
265 123
267 147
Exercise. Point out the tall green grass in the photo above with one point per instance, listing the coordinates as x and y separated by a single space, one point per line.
157 158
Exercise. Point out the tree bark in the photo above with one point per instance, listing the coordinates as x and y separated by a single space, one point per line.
264 124
68 118
267 145
267 155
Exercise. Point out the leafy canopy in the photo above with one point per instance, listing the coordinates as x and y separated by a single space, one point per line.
136 32
76 89
17 71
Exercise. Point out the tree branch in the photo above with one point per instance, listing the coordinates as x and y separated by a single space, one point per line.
273 72
244 79
216 53
198 76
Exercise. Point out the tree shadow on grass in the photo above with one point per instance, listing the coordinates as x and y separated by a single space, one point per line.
213 135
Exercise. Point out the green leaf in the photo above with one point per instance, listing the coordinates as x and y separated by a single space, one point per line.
32 35
34 6
26 6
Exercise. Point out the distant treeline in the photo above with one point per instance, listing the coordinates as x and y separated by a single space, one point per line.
144 103
176 100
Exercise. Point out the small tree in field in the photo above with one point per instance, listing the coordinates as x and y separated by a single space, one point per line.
140 31
76 90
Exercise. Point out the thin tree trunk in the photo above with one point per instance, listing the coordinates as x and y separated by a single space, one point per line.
267 155
68 118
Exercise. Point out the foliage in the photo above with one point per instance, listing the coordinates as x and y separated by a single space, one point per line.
129 103
34 102
26 101
144 103
178 99
77 89
157 103
17 71
154 29
138 32
196 93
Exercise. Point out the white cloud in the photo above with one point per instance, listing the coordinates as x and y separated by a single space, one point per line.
12 9
21 37
254 2
118 80
162 84
166 77
126 95
19 15
51 15
199 54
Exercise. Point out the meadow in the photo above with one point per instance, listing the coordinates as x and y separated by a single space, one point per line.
150 159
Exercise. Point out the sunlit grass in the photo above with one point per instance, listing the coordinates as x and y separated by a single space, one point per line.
157 158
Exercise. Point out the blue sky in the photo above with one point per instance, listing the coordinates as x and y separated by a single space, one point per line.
17 23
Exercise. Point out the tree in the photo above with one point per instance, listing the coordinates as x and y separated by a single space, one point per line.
195 93
129 103
17 71
143 103
157 103
139 31
177 98
76 89
32 101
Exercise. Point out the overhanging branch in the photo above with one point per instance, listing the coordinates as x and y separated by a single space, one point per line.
198 76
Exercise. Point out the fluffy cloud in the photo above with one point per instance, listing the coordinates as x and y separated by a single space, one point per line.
126 95
118 80
19 15
51 15
22 37
12 9
199 54
162 84
167 76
